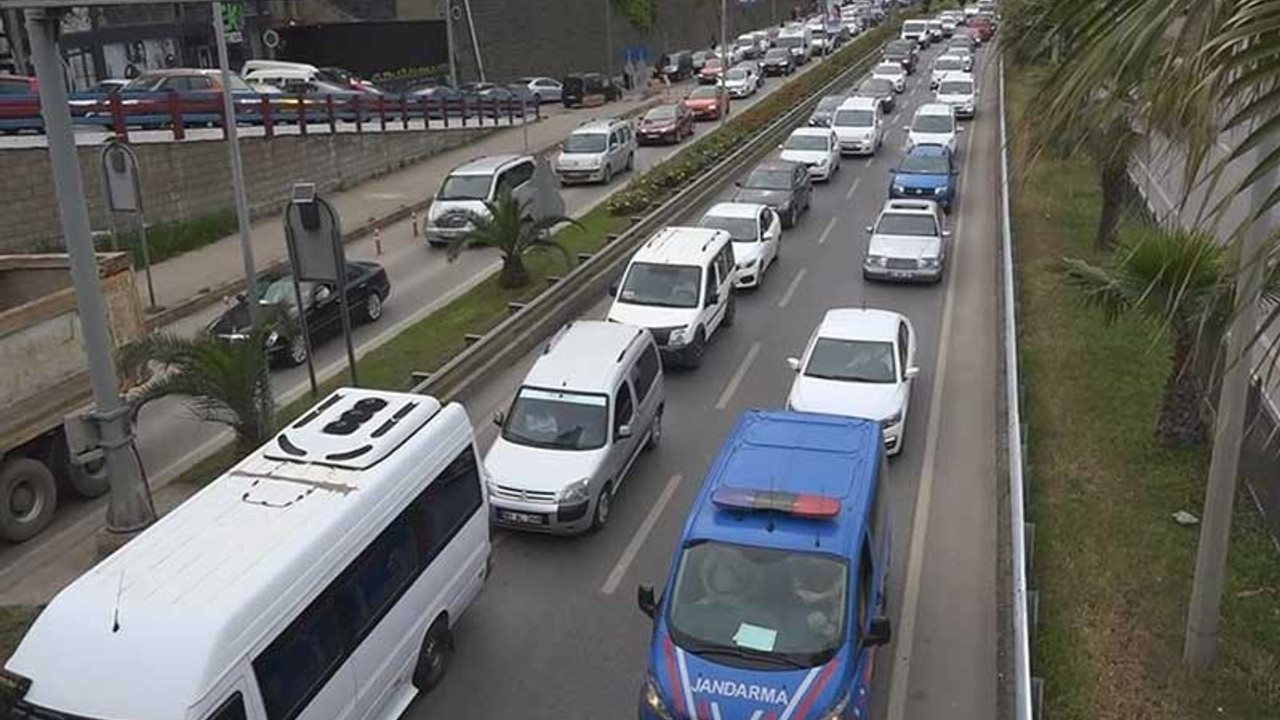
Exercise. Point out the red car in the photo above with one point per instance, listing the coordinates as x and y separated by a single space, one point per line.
982 27
665 123
711 71
708 102
18 85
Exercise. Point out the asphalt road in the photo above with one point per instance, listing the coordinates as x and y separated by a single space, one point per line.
422 280
556 633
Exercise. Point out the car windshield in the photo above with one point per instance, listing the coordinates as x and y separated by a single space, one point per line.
662 112
807 142
776 54
932 124
147 82
465 187
280 292
830 103
662 285
769 179
876 87
924 165
949 63
789 41
851 361
956 87
854 118
586 142
736 75
739 229
706 92
889 69
557 419
907 224
753 606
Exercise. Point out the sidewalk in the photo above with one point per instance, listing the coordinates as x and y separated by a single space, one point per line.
191 281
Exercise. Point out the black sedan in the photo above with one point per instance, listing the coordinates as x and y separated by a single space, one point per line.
778 61
367 288
878 89
780 184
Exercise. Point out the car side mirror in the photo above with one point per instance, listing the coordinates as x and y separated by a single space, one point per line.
737 183
912 373
959 128
794 364
613 290
624 431
647 601
779 146
499 418
946 233
323 293
878 632
869 229
907 128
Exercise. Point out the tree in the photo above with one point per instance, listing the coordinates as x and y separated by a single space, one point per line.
1183 281
222 381
510 227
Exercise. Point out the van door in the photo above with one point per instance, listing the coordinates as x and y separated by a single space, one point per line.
623 448
646 379
519 179
614 154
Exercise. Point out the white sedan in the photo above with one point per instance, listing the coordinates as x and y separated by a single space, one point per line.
893 72
756 231
859 363
817 148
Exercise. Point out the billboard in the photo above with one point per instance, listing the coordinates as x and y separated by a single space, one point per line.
392 52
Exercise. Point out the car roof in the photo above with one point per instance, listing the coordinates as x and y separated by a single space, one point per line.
746 211
859 324
487 165
859 103
955 75
935 109
803 453
681 245
585 355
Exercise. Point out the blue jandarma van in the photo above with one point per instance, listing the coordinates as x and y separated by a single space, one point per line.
776 596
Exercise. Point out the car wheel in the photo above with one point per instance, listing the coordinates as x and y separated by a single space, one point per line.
631 161
28 498
730 310
372 307
789 220
655 432
433 659
608 173
297 350
693 356
604 507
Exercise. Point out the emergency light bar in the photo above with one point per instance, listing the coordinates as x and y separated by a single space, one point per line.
819 507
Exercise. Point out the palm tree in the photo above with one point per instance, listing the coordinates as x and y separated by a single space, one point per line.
223 381
1181 280
510 227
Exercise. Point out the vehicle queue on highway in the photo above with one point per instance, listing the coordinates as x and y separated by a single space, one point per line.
315 606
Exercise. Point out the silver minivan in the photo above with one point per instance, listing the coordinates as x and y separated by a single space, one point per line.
596 151
468 187
590 404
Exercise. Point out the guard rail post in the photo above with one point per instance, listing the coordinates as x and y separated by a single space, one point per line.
268 121
328 106
175 115
118 124
382 113
404 111
359 113
302 115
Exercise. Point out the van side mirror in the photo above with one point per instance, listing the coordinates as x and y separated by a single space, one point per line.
912 373
794 364
878 632
647 601
624 431
499 418
713 298
613 290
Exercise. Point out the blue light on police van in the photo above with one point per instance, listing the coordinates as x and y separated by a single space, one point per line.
796 504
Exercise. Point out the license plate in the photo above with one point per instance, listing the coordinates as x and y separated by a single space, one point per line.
901 274
521 518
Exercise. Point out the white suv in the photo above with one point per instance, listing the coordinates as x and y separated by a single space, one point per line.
858 125
933 124
588 406
679 284
908 243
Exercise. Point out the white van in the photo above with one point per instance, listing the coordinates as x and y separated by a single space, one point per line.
589 405
596 151
319 578
858 125
797 41
679 284
916 31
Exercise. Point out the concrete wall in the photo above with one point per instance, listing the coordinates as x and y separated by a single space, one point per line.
184 181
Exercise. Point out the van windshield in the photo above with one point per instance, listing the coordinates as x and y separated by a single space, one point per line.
662 285
854 118
465 187
914 26
586 142
956 87
557 420
789 41
752 606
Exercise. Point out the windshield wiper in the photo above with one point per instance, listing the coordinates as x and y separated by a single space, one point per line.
706 648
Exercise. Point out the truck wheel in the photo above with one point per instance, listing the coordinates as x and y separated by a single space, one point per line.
28 497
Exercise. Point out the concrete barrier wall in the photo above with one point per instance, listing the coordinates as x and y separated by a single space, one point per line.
185 181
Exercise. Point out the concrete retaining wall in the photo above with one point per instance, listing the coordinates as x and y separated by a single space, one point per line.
185 181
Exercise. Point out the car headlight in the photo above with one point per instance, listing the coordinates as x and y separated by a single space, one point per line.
747 265
892 420
578 491
876 260
929 262
273 338
940 190
679 336
836 712
899 188
651 696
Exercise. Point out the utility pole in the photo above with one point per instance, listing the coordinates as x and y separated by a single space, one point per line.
237 168
1201 646
450 43
475 42
608 39
724 49
129 504
13 34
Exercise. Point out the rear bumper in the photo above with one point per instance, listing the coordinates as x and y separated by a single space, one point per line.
915 275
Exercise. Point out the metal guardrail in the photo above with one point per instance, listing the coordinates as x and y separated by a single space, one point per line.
1024 700
587 282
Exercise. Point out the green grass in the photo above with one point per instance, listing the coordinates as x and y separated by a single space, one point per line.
169 240
14 621
1113 569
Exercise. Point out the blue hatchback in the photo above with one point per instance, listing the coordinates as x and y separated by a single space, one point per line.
775 601
927 172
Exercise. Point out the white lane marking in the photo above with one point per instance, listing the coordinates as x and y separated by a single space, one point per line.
870 161
736 380
791 289
637 541
831 224
920 520
848 196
